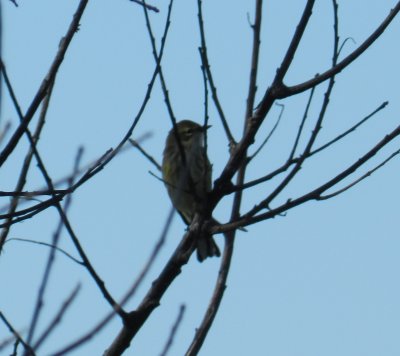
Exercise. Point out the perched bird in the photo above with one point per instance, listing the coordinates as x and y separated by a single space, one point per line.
188 179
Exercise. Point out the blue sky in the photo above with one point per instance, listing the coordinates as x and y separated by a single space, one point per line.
321 280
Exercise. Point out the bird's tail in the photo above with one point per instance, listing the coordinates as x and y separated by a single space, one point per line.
206 247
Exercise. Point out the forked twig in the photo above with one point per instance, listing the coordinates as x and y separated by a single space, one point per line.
47 81
345 62
317 127
358 180
315 194
27 347
286 165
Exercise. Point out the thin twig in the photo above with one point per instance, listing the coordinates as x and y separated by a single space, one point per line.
5 130
33 193
206 117
31 211
206 68
165 91
16 334
344 43
278 120
57 318
364 176
174 329
303 120
148 7
144 153
351 129
15 350
65 253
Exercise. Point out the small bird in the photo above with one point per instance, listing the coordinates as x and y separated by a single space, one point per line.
188 180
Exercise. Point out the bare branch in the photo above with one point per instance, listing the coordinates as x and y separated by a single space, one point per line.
159 286
139 279
315 194
47 81
31 211
254 123
206 68
294 44
299 88
265 203
50 261
285 166
160 71
28 158
57 318
351 129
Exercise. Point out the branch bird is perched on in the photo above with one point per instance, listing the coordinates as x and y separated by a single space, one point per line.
188 179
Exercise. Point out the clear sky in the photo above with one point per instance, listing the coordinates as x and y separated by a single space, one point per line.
321 280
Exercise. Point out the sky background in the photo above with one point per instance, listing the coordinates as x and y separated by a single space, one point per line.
321 280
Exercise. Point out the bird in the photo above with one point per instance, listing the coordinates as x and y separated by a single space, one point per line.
188 178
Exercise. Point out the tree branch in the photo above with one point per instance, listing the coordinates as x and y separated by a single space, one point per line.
284 92
315 194
64 44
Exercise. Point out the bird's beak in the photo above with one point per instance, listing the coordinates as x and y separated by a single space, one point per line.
206 127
